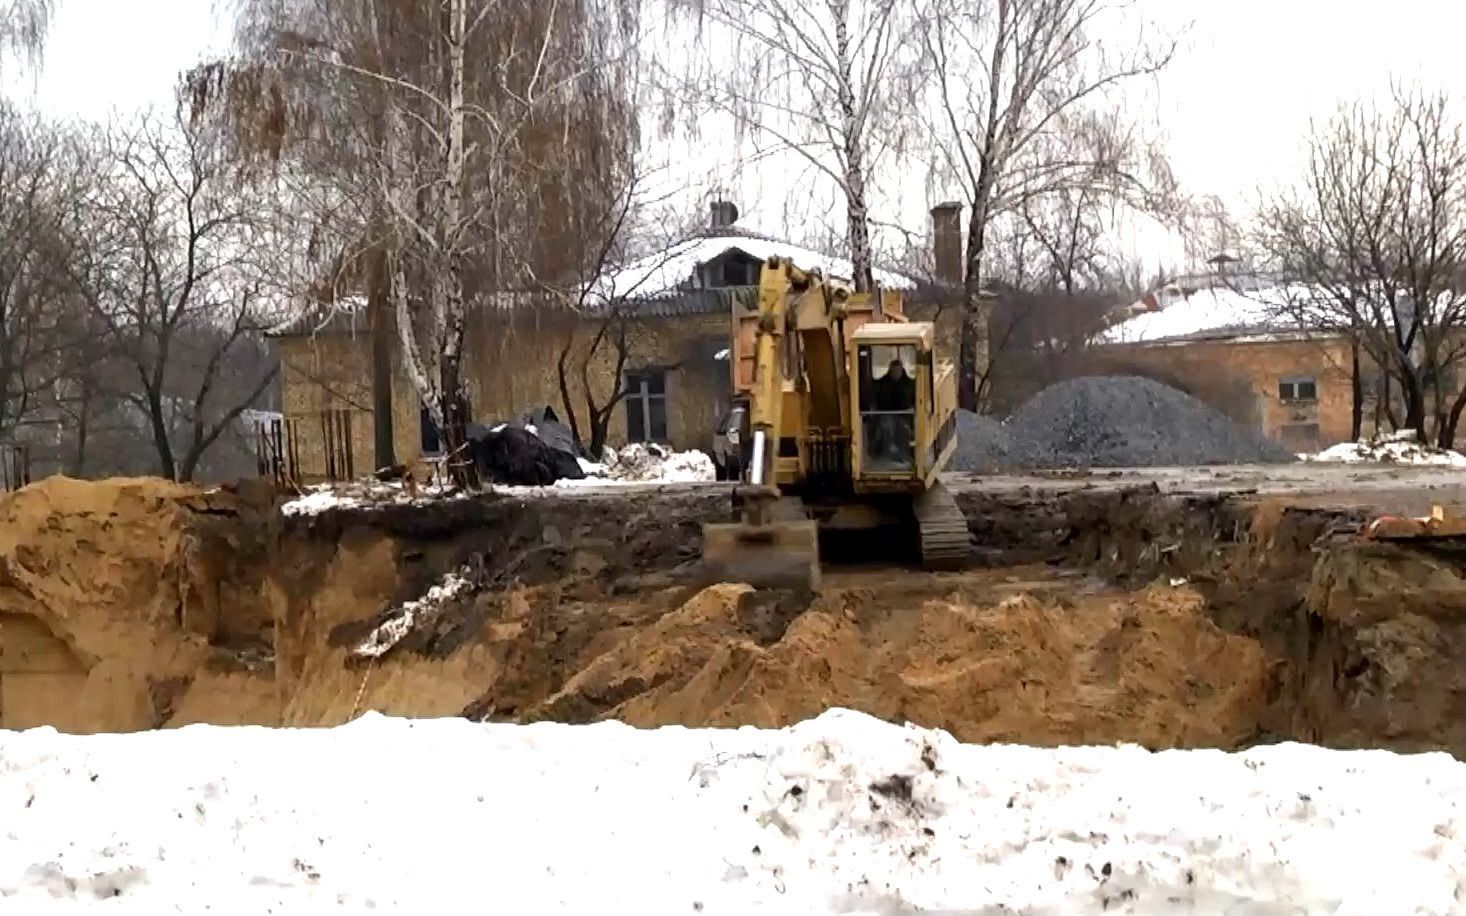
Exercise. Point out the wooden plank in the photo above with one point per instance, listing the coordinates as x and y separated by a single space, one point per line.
1436 525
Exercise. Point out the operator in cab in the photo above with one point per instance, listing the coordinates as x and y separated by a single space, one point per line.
896 390
895 397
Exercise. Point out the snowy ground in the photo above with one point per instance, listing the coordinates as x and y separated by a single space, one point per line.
636 465
641 463
1392 448
366 492
841 814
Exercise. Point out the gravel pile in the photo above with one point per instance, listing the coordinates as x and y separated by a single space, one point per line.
984 444
1109 421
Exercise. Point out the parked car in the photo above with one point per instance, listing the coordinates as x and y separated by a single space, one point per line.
730 440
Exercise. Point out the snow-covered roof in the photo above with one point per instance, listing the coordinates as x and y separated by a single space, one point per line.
666 272
663 283
1217 312
346 313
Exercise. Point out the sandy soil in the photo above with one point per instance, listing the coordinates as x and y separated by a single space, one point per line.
1018 655
1219 621
114 596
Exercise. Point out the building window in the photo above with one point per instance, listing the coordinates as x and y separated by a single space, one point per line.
1297 389
738 271
646 406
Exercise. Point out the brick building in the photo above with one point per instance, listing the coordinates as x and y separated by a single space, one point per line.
677 307
1234 346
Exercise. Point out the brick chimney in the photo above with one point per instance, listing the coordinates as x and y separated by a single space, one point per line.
947 241
722 214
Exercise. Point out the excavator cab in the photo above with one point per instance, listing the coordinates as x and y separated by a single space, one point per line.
885 379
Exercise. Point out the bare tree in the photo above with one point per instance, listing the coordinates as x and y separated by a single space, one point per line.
629 243
23 28
323 133
1208 228
172 274
830 80
38 314
1375 237
1009 76
459 160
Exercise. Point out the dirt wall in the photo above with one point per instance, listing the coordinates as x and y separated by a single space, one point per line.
1095 616
114 597
1370 637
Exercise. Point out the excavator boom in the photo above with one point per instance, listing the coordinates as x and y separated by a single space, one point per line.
773 545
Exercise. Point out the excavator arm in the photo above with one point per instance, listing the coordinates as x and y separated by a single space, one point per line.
772 543
766 399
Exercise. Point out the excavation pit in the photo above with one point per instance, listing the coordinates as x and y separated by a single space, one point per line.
1172 608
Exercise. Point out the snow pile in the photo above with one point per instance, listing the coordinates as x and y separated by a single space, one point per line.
319 499
686 467
641 462
1399 447
407 616
367 492
840 814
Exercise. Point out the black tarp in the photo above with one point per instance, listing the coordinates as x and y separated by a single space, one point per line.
508 453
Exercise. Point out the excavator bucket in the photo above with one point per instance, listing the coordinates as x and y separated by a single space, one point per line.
779 554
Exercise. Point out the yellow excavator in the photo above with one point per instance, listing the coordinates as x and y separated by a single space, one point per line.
851 417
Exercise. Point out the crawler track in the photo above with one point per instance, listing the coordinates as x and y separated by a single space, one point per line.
946 542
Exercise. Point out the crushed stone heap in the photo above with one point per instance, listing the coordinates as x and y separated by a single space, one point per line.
1109 421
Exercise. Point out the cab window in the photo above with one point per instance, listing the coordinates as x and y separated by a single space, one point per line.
887 383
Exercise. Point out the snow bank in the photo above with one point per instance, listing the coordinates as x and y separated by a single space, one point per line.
364 493
1390 448
840 814
402 619
645 463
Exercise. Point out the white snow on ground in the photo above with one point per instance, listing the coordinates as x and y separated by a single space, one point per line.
366 492
635 464
592 468
639 463
840 814
1391 448
686 467
317 500
407 615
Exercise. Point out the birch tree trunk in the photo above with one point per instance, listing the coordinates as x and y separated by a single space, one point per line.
450 315
379 309
857 215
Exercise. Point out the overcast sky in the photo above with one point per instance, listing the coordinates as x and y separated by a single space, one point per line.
105 54
1233 106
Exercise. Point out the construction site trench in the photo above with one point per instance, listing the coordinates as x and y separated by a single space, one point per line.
1099 609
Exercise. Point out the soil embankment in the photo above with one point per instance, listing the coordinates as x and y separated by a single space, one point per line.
1097 617
117 599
